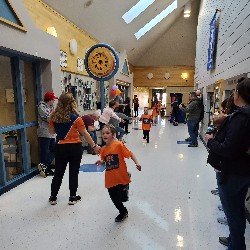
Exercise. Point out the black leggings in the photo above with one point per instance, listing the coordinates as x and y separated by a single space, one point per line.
146 135
115 194
67 153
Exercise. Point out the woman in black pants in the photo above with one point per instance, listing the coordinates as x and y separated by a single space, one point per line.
67 124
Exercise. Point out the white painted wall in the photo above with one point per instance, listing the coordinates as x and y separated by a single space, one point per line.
233 45
34 43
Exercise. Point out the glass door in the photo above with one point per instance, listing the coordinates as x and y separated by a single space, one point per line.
18 139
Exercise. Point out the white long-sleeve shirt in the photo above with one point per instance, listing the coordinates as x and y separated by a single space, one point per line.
106 114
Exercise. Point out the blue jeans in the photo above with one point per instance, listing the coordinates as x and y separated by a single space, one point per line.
119 132
233 191
47 148
192 130
93 136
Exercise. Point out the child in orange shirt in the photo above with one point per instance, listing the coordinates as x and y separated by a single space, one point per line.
116 175
155 114
146 124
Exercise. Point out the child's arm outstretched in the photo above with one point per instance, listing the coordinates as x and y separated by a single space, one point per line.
138 166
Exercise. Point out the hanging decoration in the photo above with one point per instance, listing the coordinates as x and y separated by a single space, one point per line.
114 87
118 92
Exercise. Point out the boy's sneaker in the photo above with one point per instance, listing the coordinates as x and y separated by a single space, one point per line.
42 170
74 199
53 200
121 217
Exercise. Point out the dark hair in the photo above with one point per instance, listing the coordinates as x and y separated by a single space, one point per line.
224 104
110 127
243 88
112 103
193 94
121 108
230 106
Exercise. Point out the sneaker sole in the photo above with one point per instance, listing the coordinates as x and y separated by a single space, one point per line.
124 217
73 202
223 243
53 202
41 172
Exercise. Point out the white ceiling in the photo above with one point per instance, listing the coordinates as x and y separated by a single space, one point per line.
102 19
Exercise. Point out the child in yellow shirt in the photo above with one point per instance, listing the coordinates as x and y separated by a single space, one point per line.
113 155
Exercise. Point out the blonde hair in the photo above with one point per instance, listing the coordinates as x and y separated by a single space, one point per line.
110 127
66 106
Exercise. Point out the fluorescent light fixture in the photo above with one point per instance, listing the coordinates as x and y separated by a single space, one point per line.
186 15
136 10
156 20
52 31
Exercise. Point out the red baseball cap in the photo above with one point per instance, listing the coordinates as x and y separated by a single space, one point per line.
50 96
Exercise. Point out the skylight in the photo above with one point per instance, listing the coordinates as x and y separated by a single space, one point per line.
136 10
156 20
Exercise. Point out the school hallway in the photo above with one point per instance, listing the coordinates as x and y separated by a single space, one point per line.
170 206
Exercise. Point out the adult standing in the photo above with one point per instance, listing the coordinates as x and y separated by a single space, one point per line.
136 105
89 122
194 110
127 112
229 153
175 110
67 125
46 140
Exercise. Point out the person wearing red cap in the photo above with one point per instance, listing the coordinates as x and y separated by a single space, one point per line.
46 140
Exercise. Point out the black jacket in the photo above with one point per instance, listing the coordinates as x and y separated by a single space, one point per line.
229 151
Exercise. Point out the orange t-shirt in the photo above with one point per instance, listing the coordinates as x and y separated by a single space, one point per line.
68 132
146 121
116 168
155 111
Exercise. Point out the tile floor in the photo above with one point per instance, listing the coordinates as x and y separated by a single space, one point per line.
170 207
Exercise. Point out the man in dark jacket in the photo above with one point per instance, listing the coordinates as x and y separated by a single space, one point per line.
229 154
194 111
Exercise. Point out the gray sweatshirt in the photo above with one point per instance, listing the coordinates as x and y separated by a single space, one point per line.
115 122
44 111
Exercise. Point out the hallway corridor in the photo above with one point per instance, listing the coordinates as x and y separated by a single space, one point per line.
170 207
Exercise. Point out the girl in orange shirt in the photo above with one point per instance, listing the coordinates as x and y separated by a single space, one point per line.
116 175
146 124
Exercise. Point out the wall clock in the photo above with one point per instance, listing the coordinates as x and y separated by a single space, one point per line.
101 63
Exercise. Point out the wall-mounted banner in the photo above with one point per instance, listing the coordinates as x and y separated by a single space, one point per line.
211 46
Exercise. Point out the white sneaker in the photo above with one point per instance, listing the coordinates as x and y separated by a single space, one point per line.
41 167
